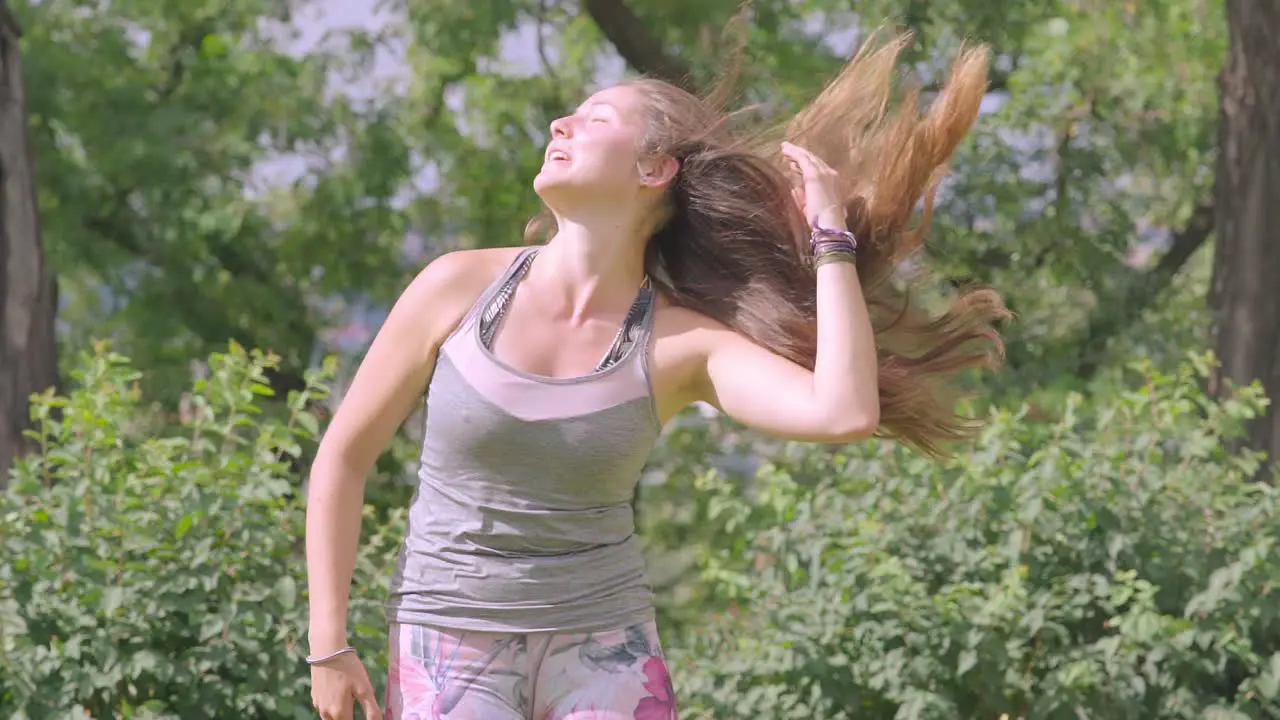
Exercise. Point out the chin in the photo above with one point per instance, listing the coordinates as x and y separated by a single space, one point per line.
542 182
564 190
554 188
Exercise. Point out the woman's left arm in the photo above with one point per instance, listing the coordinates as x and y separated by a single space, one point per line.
839 401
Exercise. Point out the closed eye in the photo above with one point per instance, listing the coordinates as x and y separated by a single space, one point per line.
597 112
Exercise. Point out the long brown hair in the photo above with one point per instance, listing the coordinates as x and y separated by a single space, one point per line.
734 246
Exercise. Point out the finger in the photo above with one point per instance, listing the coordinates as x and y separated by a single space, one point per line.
346 710
812 167
796 155
370 705
806 172
799 154
815 163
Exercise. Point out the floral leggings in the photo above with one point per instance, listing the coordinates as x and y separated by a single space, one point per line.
463 675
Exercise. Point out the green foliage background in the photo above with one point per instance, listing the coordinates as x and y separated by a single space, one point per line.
206 176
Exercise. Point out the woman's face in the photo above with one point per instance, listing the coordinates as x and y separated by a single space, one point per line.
593 153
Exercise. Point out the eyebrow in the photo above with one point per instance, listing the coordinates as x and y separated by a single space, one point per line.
597 103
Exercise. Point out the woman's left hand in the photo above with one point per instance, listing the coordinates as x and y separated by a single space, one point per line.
818 194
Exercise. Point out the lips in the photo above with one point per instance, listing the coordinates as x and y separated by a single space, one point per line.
555 154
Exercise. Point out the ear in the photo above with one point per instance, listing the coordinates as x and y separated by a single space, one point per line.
658 171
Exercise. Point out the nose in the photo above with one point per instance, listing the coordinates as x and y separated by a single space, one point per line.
561 127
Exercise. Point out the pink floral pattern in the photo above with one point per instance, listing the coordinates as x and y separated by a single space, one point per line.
662 704
416 696
613 675
589 713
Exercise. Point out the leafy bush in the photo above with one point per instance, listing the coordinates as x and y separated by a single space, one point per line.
1117 563
1114 563
151 566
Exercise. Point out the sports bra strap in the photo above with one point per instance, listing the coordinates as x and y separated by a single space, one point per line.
634 327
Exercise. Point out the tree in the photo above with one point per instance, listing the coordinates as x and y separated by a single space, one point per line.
1096 148
1053 561
228 190
28 297
1246 267
1099 130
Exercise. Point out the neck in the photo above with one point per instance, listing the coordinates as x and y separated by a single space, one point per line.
593 264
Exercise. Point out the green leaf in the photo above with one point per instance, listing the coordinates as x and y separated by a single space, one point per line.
184 524
286 590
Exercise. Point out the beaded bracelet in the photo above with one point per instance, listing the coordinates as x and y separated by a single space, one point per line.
314 660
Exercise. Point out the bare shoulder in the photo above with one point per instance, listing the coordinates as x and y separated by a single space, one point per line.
442 292
463 269
397 368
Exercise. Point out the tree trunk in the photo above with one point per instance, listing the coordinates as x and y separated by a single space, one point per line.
1245 293
28 353
633 42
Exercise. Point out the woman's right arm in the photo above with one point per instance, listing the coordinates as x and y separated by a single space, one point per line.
387 386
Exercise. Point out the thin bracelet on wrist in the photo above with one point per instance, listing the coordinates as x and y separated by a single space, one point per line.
839 256
317 659
820 235
827 245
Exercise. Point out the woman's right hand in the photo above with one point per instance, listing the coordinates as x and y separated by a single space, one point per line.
337 684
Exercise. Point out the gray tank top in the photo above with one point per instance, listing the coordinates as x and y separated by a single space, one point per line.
523 519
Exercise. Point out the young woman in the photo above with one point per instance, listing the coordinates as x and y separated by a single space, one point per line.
683 264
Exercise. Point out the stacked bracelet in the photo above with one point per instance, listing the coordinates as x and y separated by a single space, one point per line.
832 246
314 660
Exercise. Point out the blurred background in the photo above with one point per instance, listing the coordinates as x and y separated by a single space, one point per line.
208 206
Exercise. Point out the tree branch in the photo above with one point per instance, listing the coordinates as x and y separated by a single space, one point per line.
633 42
1118 313
645 55
116 224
